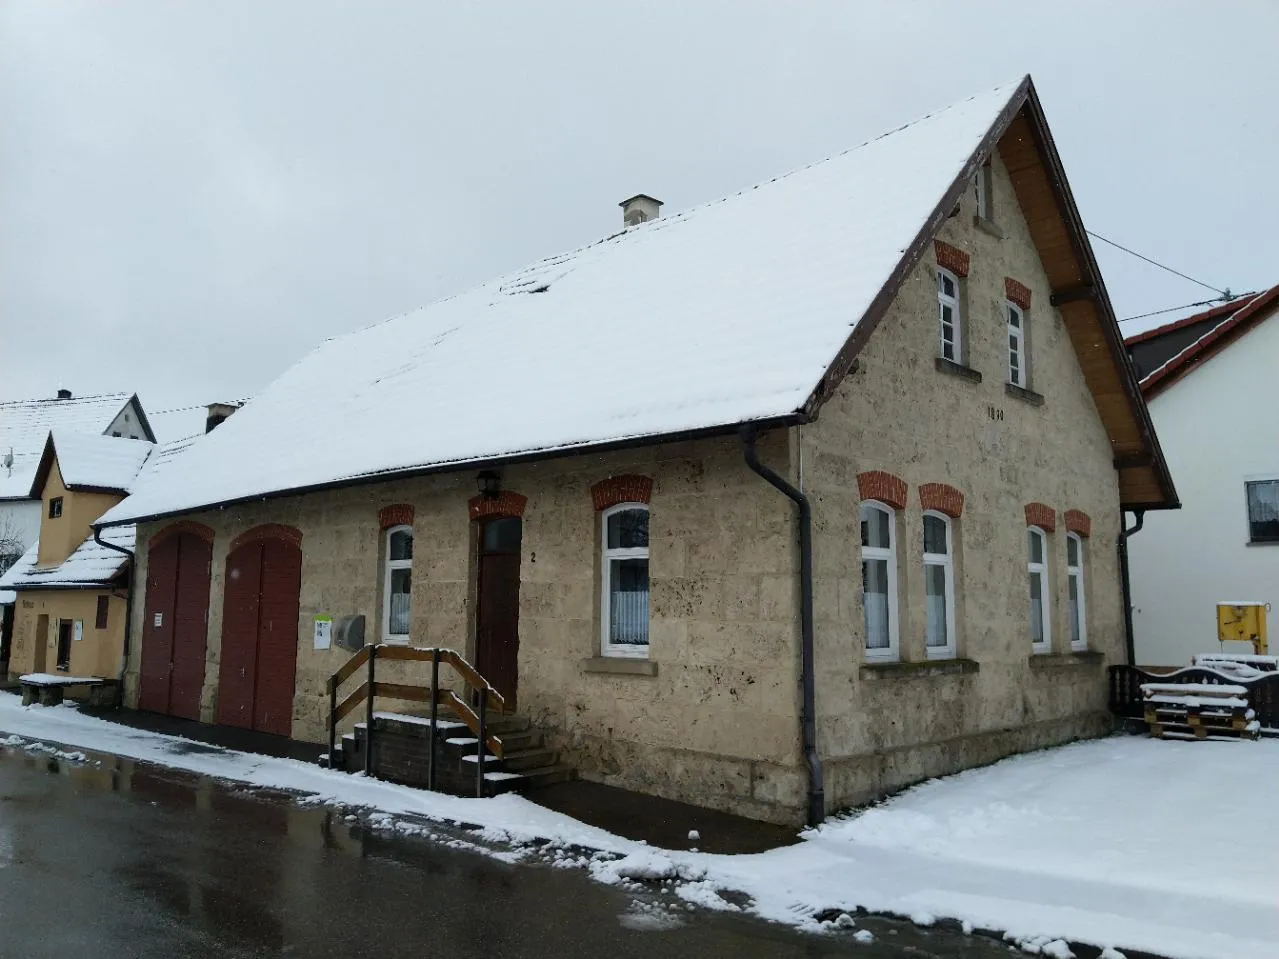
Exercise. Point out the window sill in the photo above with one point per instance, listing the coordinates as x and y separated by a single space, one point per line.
1087 657
934 667
620 665
956 369
988 226
1030 396
1262 542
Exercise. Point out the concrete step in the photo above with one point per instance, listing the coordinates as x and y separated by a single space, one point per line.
505 782
515 761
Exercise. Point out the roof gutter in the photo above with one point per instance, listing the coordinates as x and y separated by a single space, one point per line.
808 712
1126 581
128 602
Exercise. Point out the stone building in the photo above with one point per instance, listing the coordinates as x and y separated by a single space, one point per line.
773 506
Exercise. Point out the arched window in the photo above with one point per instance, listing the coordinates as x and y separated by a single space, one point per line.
879 580
1075 591
1037 568
939 587
624 568
398 584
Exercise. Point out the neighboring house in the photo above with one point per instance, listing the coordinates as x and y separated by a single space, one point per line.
72 591
24 427
1210 381
584 476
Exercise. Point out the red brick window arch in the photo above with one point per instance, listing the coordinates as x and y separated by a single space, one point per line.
941 498
1077 521
398 514
627 488
1041 515
289 534
198 530
884 487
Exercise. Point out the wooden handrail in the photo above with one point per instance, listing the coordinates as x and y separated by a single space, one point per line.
348 704
347 670
416 694
472 677
467 715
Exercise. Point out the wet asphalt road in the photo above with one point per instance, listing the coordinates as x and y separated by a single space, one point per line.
114 858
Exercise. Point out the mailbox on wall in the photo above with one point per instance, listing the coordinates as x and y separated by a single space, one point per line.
348 633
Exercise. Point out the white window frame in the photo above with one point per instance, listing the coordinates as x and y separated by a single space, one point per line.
607 555
1045 590
956 316
947 561
1019 376
1076 572
891 652
982 189
388 565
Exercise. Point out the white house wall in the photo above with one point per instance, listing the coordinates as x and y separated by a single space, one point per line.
128 422
1219 429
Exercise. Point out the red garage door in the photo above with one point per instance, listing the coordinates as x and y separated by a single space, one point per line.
176 622
260 631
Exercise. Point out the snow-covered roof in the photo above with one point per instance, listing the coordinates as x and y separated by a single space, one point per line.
89 565
25 425
731 312
88 460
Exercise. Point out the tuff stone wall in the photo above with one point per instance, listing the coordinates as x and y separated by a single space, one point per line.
883 727
717 724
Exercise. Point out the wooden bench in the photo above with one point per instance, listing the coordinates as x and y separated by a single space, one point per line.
1199 711
48 689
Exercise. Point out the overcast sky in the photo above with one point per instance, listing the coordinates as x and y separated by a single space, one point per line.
193 195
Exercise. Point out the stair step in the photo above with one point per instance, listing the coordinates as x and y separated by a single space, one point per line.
504 782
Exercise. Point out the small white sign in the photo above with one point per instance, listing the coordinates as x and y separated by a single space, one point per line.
159 620
323 632
77 631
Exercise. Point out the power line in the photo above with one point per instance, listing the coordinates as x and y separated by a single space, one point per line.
1118 246
1228 297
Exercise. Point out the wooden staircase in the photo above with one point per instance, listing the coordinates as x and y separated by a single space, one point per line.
403 749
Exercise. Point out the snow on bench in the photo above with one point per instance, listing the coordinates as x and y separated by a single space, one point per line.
58 679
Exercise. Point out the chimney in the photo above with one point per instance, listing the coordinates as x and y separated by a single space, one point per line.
217 412
639 209
64 394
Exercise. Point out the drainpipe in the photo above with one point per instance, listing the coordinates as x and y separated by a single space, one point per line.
808 712
128 603
1140 515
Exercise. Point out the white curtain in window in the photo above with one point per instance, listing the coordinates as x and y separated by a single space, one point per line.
875 602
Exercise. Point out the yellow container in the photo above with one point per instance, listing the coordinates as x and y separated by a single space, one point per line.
1243 623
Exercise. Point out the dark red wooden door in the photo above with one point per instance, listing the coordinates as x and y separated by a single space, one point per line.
260 636
157 626
175 626
497 606
241 596
190 625
277 652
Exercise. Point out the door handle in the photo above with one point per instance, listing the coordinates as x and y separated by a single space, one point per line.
241 672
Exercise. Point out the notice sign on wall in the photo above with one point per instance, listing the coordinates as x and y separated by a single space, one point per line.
77 631
159 620
323 632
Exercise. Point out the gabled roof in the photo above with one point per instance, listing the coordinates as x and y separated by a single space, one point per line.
750 309
92 463
25 426
1213 330
89 565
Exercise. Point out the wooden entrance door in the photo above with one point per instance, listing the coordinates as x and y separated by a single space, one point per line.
175 625
65 629
260 636
40 658
497 604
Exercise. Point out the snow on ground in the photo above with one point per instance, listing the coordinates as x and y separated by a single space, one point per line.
1122 843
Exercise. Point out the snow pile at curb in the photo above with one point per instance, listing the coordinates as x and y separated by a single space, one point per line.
1081 844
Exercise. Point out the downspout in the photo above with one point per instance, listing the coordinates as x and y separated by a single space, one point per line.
1126 581
128 603
808 712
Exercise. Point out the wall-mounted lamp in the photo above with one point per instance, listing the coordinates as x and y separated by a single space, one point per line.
490 484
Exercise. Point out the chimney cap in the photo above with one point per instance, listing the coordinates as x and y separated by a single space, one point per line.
64 394
639 196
